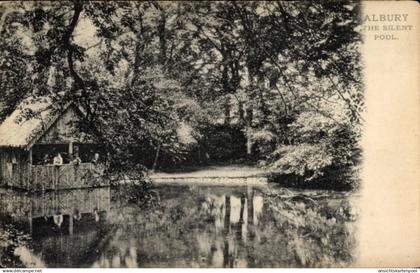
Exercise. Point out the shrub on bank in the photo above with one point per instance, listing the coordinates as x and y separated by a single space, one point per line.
323 153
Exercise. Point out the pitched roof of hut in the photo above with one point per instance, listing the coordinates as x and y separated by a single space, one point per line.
30 120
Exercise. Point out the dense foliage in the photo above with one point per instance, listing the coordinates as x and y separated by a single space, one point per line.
11 239
285 74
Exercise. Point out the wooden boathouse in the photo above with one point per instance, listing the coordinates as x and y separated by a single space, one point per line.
37 133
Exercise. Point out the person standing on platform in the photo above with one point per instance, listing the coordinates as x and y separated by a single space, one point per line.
57 162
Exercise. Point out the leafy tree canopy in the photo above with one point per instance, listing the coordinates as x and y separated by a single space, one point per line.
288 73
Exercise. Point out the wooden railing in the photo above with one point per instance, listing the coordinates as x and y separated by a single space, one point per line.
67 176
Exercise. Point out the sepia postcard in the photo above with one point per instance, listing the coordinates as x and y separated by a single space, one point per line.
213 134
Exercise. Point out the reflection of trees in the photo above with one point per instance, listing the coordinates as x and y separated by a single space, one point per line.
189 230
298 232
226 258
250 205
209 227
227 214
250 227
163 232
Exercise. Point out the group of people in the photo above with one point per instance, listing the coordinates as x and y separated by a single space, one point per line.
58 159
58 217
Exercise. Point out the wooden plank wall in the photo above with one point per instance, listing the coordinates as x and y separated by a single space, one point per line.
14 168
68 176
64 130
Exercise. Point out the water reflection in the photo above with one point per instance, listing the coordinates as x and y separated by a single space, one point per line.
64 226
193 226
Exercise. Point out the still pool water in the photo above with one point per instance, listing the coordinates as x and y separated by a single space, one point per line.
191 226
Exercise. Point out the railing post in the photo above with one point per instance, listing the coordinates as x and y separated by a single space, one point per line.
71 149
29 174
71 224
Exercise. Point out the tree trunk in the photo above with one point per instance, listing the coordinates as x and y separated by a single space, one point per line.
241 111
156 159
227 111
162 37
249 118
